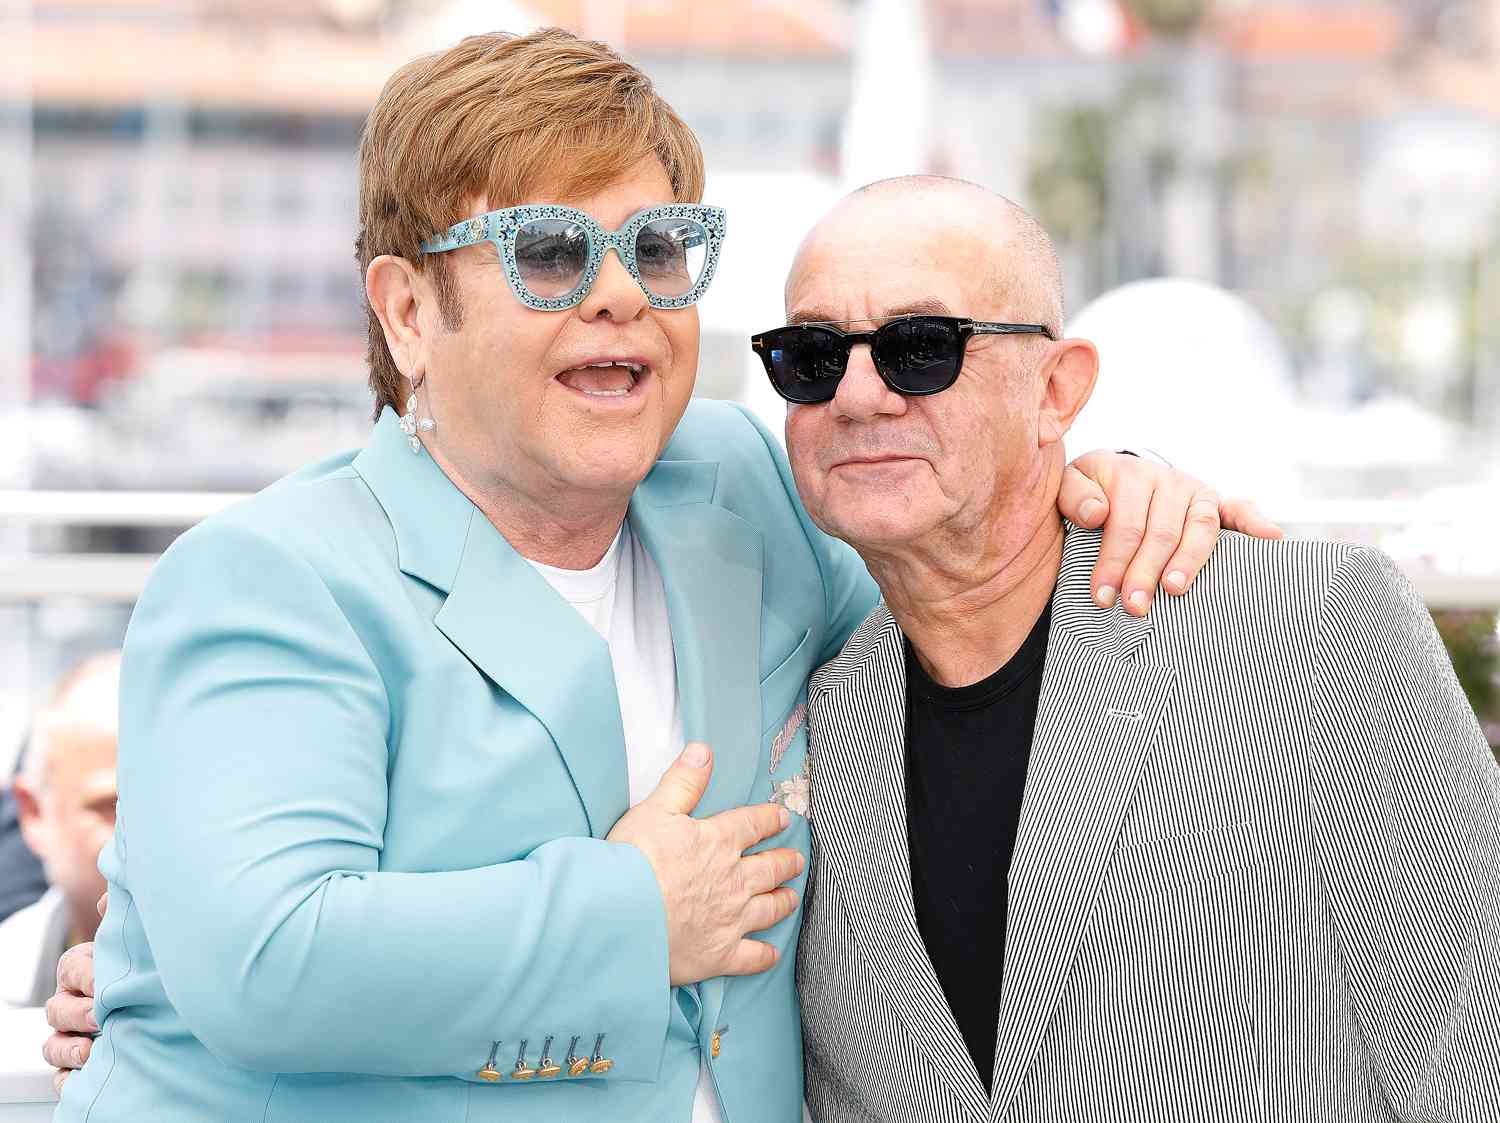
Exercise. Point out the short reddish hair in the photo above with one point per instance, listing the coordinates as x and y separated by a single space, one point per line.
545 116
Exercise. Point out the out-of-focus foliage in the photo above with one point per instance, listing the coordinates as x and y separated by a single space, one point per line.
1170 17
1475 651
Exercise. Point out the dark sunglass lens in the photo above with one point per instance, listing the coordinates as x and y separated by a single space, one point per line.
670 254
551 254
920 355
805 363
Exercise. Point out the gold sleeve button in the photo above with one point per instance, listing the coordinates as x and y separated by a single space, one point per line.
577 1065
522 1071
599 1064
489 1071
546 1069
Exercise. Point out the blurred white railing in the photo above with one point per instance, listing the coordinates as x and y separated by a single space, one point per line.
111 508
120 577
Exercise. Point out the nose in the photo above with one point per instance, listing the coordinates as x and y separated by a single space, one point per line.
615 296
862 394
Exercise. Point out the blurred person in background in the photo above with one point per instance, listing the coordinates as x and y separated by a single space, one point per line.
22 881
65 796
440 760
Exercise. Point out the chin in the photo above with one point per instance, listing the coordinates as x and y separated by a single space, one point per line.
872 528
619 467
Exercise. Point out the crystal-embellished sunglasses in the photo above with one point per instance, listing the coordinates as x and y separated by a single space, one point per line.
913 354
553 253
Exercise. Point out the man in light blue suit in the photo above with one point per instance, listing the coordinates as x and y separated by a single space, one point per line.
464 778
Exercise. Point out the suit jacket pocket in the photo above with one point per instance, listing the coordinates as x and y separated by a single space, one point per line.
780 689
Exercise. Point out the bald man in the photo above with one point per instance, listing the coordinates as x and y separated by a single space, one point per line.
65 797
1237 859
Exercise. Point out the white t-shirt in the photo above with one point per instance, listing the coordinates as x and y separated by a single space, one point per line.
624 600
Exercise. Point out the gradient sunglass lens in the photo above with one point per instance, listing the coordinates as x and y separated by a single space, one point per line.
670 254
551 256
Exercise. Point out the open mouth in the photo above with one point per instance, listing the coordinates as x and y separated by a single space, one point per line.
615 378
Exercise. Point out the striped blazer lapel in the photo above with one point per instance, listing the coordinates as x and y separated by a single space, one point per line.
858 770
1097 719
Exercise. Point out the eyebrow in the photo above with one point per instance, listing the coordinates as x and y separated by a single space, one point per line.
928 306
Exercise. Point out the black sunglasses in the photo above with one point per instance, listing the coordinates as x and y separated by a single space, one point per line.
913 354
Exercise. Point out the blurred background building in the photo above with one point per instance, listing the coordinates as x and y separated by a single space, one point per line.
181 314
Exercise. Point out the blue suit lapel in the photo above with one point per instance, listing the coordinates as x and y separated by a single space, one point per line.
535 646
710 562
505 618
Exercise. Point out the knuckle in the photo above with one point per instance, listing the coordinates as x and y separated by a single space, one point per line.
719 833
1163 536
1130 530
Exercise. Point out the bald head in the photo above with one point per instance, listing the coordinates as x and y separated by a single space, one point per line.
1000 250
65 793
84 710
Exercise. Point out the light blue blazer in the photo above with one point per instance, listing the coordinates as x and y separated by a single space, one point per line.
368 759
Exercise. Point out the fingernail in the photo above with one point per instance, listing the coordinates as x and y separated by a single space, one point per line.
696 754
801 863
91 1025
1090 508
785 818
1176 580
1105 596
77 1055
1140 600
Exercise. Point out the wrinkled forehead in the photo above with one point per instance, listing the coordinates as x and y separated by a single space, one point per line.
876 260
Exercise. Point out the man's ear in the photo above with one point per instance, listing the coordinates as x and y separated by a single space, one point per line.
28 810
392 288
1070 370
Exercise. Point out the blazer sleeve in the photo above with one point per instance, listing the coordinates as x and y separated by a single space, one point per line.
1406 808
850 593
253 794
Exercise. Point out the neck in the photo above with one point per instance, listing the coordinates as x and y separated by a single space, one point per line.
83 921
968 601
568 529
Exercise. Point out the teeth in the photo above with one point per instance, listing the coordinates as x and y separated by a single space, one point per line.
634 368
606 393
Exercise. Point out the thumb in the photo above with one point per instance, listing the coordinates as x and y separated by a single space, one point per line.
103 904
685 782
1081 499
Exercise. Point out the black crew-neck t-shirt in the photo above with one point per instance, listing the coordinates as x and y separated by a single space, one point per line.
966 754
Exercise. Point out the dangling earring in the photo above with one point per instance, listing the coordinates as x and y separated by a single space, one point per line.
410 424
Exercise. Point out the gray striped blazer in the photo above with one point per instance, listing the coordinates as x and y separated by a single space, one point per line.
1256 875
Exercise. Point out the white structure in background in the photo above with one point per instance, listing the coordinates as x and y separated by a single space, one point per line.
1391 432
1197 375
890 124
1096 28
769 214
448 23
